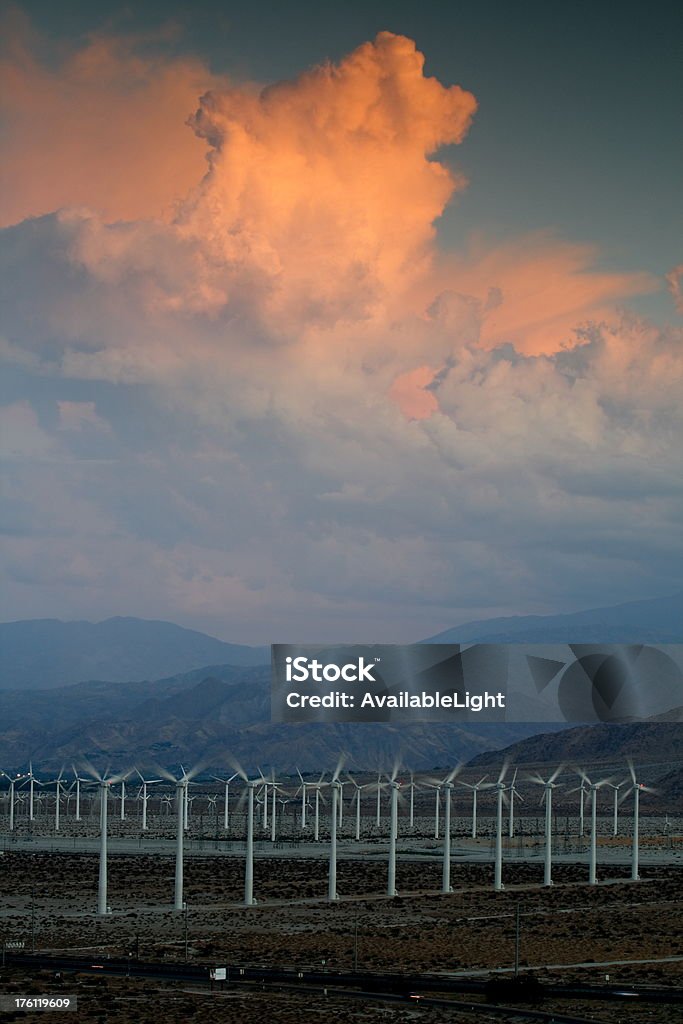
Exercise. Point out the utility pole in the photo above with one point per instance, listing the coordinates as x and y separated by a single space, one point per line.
517 937
186 933
33 919
355 941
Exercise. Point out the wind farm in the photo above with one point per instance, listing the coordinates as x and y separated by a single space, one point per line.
350 873
155 838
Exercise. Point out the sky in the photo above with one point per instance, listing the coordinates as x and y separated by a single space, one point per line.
346 322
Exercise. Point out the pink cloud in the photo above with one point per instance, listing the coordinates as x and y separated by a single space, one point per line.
105 128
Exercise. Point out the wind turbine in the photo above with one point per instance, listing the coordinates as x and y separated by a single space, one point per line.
582 791
379 799
303 800
359 790
498 868
436 786
145 784
446 869
78 791
274 787
250 791
638 788
105 783
316 805
341 802
181 786
13 779
335 789
475 787
592 791
513 793
549 785
615 814
411 818
30 799
393 830
58 790
446 784
226 783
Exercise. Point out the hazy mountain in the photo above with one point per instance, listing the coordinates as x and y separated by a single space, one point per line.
42 653
605 750
190 711
210 717
46 653
656 621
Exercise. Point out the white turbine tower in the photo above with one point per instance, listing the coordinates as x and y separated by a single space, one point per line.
274 787
226 798
303 800
582 790
638 788
498 866
145 784
78 780
393 830
251 786
31 778
13 779
359 790
104 783
58 793
615 807
181 787
379 800
341 802
591 788
511 815
446 868
475 787
549 785
316 786
411 818
335 790
436 786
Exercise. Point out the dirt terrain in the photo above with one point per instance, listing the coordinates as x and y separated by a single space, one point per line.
47 901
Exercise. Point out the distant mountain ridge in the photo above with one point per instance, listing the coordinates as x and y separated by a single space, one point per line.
657 620
45 653
210 716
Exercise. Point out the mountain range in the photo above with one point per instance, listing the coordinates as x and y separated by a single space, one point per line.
130 691
45 653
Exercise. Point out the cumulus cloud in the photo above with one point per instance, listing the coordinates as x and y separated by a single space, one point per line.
100 126
337 420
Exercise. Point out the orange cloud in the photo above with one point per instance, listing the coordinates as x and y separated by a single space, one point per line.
545 289
104 129
323 186
409 393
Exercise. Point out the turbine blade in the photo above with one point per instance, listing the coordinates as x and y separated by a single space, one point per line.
234 763
340 765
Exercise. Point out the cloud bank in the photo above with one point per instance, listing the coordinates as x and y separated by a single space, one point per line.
286 408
